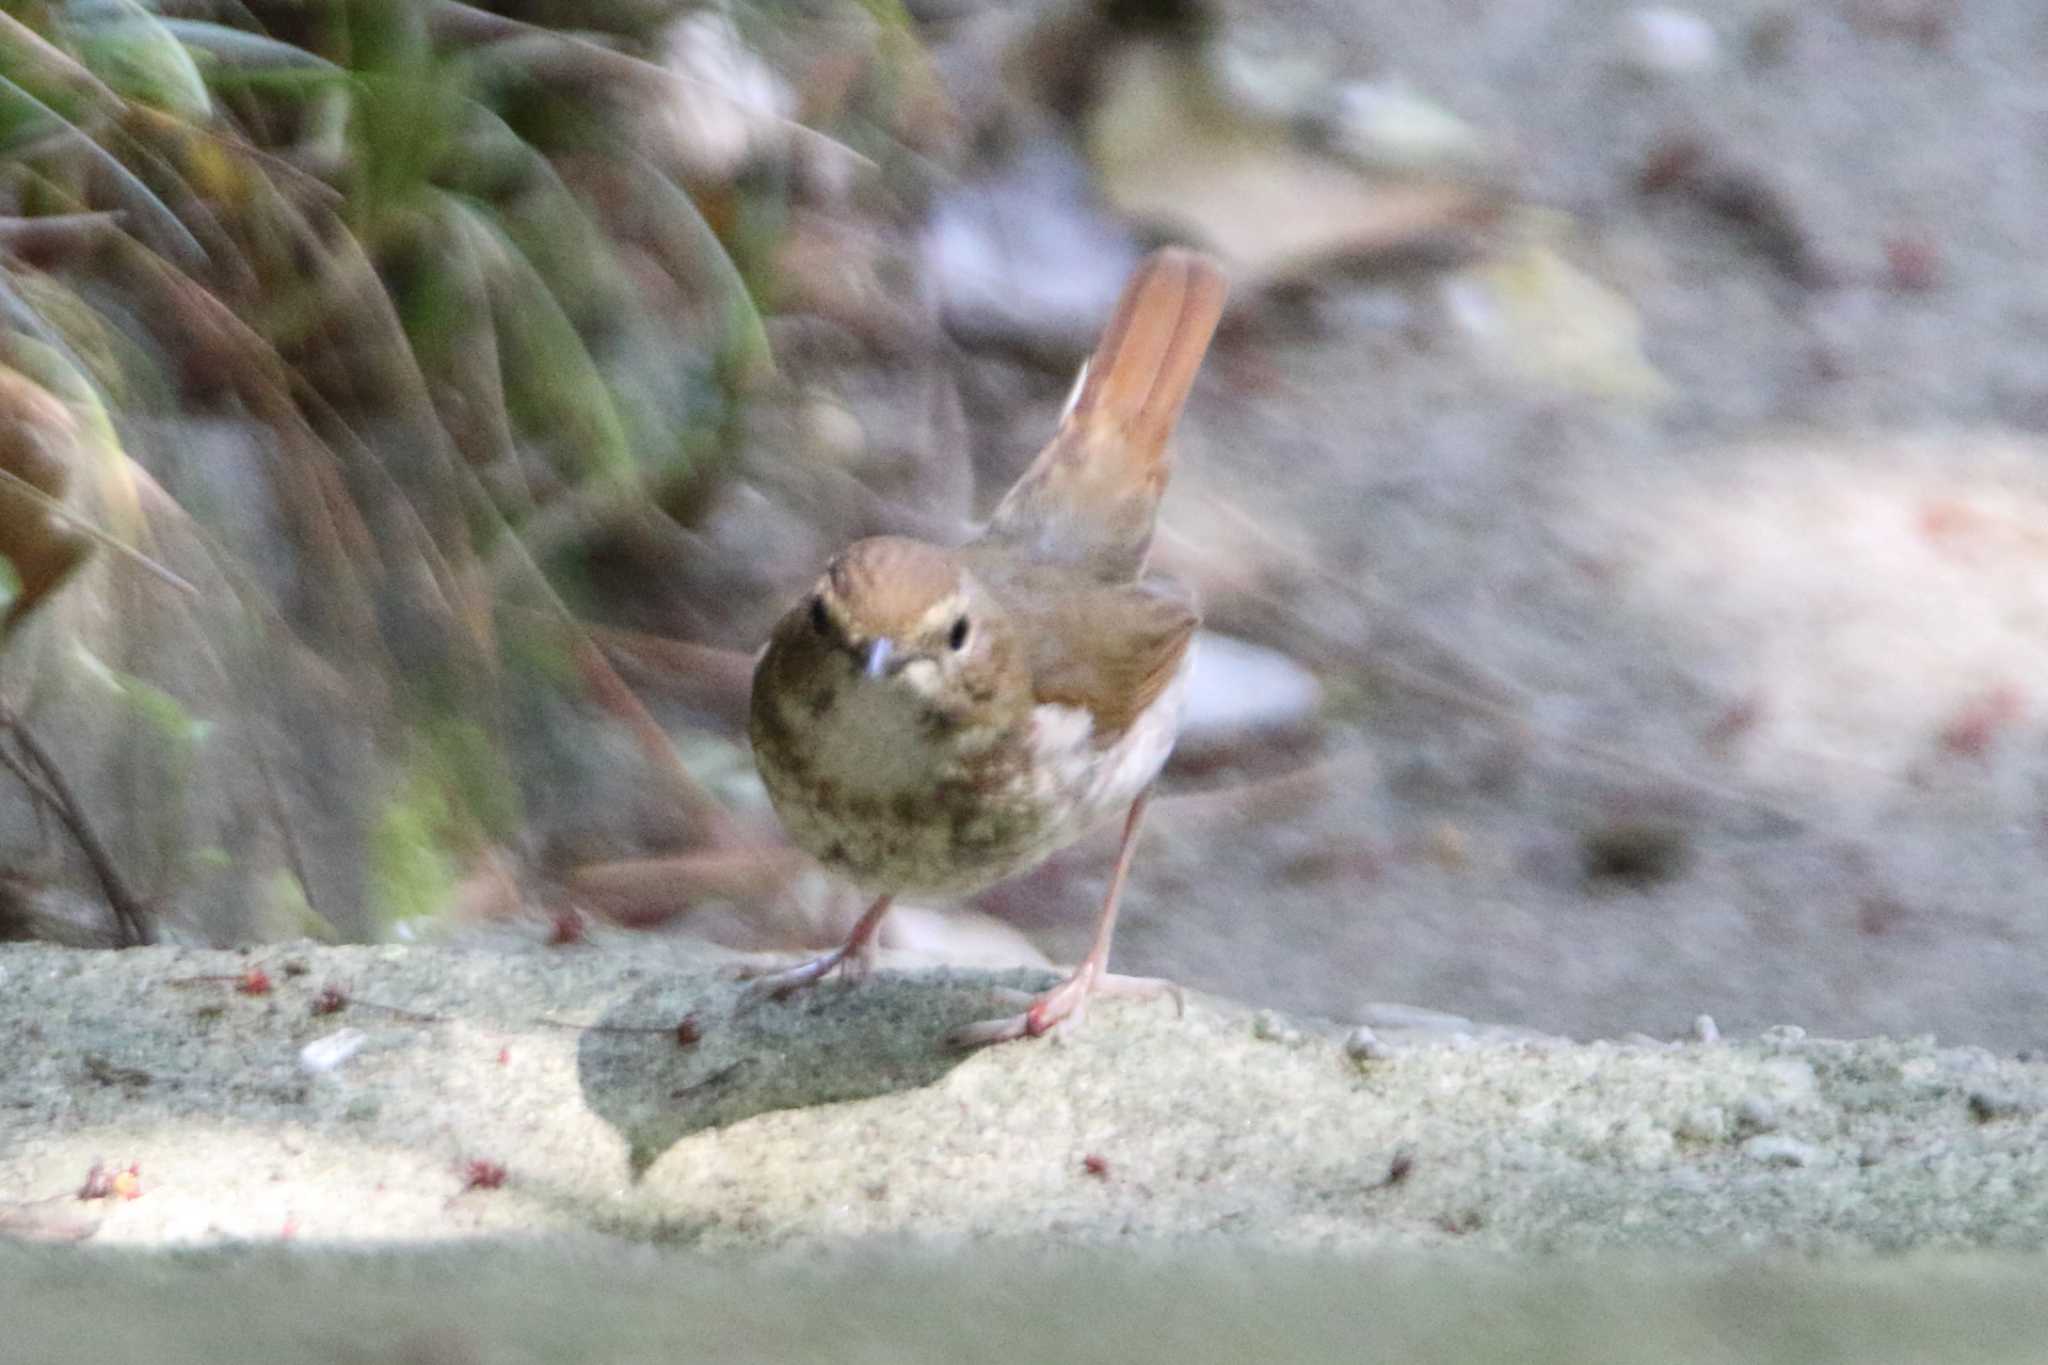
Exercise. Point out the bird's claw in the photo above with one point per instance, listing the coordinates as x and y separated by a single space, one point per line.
778 985
1057 1012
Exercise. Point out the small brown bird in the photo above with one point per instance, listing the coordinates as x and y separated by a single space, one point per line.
929 721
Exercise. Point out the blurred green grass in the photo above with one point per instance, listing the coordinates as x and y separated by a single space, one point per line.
347 310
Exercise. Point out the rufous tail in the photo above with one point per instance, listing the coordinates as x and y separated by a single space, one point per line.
1091 496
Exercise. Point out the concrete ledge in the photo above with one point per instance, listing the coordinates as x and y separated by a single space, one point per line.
545 1094
367 1154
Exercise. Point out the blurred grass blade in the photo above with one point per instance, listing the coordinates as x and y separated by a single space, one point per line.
178 238
71 518
563 382
243 49
52 61
680 228
130 49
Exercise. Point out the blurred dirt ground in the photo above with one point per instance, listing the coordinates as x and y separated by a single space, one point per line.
1762 728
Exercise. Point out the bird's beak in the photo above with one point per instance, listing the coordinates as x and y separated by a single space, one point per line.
874 660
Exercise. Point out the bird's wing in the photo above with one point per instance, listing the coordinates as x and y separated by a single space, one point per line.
1108 649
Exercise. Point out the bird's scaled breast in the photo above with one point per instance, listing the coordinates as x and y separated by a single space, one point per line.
870 782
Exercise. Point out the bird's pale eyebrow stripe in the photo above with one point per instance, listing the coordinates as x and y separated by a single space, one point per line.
943 613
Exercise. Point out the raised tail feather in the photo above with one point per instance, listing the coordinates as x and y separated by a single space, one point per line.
1092 494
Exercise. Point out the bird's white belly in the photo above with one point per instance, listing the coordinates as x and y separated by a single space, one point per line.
1098 783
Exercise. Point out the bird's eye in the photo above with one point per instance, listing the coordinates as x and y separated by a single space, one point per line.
957 637
820 622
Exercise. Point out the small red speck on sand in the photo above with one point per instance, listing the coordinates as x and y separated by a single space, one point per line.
481 1174
255 981
1972 730
112 1182
1671 163
565 927
1097 1166
1914 262
504 1056
1945 520
1738 718
289 1230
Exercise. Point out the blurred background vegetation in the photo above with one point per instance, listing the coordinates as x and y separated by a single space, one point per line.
350 352
413 415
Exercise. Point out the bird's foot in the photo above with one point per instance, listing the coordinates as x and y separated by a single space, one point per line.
766 984
853 960
1062 1009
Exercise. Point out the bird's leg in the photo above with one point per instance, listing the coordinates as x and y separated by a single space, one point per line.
853 958
1065 1005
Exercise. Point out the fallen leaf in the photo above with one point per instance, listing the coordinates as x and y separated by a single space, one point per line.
1173 152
